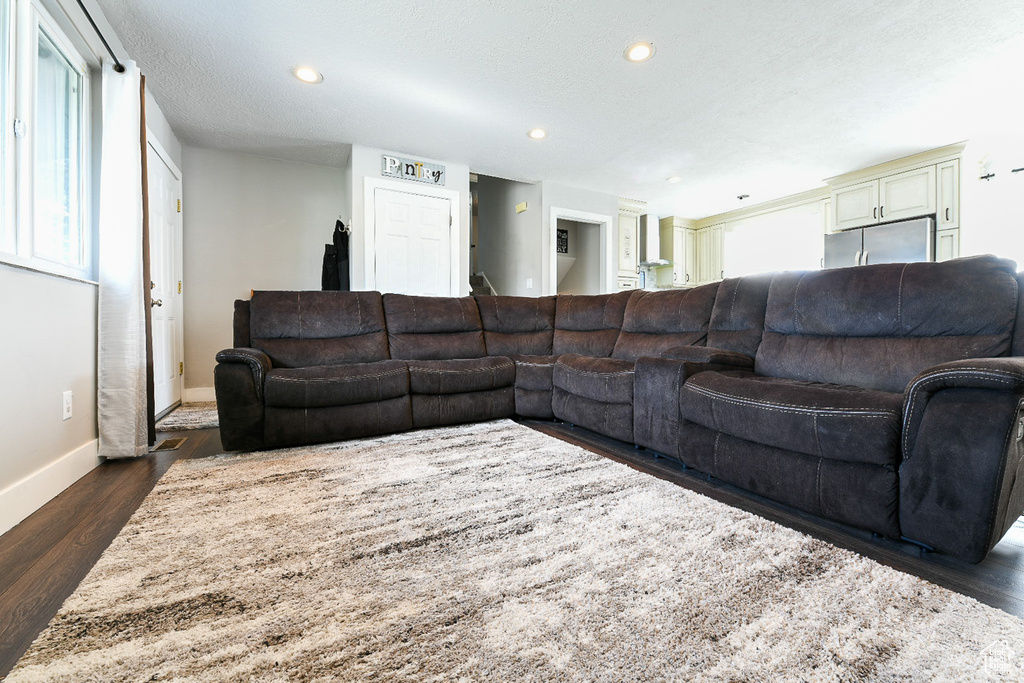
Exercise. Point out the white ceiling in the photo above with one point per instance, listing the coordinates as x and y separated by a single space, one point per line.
742 97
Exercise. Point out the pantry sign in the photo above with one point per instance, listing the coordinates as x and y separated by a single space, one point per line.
410 169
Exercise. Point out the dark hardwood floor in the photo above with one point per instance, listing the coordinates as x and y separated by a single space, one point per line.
43 559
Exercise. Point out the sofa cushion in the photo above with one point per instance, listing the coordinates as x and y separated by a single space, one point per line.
336 385
533 373
588 324
433 327
461 376
609 380
737 321
516 325
299 329
655 321
824 420
879 326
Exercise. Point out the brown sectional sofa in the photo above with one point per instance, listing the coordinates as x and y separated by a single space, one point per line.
886 397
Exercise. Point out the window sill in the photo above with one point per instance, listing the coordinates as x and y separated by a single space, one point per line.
6 260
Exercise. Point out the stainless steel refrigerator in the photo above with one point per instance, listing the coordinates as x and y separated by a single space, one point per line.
901 242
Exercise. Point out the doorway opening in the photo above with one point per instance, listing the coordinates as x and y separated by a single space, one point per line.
578 257
582 261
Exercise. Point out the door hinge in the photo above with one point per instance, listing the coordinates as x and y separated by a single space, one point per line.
179 286
181 368
449 220
179 206
19 128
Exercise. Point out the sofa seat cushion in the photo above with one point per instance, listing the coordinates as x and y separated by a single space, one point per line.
533 373
608 380
461 376
825 420
324 386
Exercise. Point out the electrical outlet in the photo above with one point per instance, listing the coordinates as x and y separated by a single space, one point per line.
529 283
68 399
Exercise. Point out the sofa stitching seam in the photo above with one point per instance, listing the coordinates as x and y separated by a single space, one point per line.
418 368
899 302
789 408
304 380
592 372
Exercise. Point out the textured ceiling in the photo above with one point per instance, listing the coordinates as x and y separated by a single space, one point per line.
742 97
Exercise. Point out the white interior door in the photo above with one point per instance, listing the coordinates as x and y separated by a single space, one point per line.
412 243
165 261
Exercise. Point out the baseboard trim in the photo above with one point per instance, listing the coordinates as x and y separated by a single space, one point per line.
198 395
22 498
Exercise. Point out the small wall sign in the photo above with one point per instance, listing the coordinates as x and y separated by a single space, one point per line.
410 169
562 244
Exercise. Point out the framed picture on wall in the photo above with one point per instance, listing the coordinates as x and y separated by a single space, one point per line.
562 245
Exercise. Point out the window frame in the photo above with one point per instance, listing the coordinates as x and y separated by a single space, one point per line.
8 191
17 244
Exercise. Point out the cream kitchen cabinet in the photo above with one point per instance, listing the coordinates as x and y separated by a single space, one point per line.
947 215
890 198
678 245
710 257
629 237
947 244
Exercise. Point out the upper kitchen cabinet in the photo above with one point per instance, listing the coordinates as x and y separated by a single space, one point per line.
902 195
920 185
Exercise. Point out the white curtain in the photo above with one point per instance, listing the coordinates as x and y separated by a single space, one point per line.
122 316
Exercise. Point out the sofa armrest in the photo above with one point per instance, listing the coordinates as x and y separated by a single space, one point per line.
962 473
657 391
258 362
1000 374
238 380
709 354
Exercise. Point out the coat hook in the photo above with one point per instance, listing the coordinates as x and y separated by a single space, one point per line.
988 176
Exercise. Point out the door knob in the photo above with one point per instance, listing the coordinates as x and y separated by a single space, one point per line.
157 302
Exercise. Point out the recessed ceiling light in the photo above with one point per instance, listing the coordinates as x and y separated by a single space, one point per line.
675 179
639 52
538 134
307 74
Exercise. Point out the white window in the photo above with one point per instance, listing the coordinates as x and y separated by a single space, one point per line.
45 223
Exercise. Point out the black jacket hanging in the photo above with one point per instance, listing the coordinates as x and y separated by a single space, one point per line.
341 248
335 270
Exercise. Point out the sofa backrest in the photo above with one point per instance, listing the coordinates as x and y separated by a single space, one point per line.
658 320
298 329
879 326
517 325
588 324
737 321
433 327
1017 349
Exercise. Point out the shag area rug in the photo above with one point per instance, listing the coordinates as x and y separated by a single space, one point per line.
190 416
490 552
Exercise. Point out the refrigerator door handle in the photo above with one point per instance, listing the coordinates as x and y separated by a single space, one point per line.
856 259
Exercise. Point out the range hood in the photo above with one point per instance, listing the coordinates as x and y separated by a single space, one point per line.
650 242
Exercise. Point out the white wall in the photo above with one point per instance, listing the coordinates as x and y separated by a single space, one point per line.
991 219
49 346
510 248
249 223
365 162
